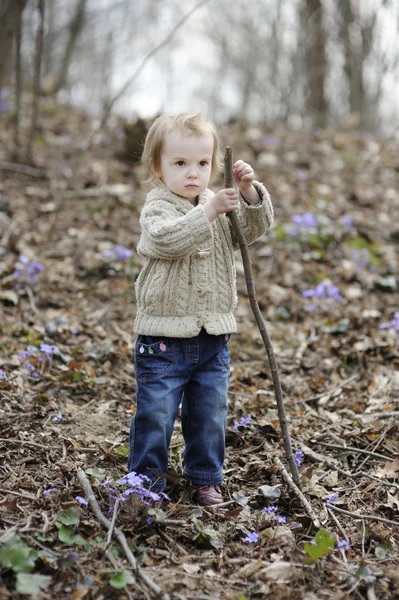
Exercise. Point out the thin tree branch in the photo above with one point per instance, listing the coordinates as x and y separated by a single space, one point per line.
349 449
366 517
128 83
304 501
228 165
106 523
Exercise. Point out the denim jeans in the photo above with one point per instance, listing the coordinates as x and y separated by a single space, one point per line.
194 372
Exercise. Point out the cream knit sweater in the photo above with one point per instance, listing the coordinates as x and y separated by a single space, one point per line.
189 279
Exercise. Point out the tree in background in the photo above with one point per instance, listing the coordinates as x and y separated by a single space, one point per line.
10 16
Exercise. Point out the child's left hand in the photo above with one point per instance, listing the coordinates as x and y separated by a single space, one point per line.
243 175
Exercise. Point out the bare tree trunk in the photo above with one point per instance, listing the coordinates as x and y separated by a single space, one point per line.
353 65
18 86
316 62
10 15
36 91
55 83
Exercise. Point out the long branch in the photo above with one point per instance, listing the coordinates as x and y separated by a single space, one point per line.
154 587
228 165
128 83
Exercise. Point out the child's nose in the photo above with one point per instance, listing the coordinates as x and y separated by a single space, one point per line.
192 173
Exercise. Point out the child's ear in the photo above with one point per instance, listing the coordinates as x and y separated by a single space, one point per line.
153 170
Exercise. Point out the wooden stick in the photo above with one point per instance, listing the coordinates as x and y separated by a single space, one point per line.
229 183
305 502
367 517
348 449
154 587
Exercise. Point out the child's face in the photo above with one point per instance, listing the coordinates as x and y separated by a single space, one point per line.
186 163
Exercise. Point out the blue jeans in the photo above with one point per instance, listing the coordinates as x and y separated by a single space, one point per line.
169 371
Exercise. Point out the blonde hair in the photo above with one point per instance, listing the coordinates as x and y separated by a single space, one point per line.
191 124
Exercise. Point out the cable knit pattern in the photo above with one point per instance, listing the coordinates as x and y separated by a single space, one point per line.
189 279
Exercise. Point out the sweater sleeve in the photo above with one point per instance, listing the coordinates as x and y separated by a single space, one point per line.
254 219
167 235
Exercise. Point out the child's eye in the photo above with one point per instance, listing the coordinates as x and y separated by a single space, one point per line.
203 163
180 163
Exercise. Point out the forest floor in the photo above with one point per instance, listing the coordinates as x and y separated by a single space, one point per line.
67 405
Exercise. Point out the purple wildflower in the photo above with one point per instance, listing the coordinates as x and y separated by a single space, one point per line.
58 418
118 252
149 521
271 509
49 350
362 257
303 175
324 290
343 545
252 538
298 457
3 375
332 498
50 490
74 330
346 221
394 324
271 141
27 270
243 422
281 519
81 500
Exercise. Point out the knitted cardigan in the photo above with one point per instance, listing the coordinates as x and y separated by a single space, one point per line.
189 279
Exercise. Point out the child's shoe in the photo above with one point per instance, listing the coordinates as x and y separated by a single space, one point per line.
208 495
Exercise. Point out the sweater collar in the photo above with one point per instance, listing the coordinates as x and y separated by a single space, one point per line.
166 195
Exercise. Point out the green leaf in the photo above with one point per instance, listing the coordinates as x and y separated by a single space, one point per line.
98 473
77 376
17 556
120 579
323 543
67 536
32 584
122 450
69 517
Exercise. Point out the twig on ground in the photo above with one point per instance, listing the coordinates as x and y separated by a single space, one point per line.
24 169
366 517
36 445
348 449
383 415
305 503
249 280
342 530
379 442
3 491
330 392
154 587
112 527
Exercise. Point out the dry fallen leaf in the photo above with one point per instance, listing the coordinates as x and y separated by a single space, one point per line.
390 470
280 572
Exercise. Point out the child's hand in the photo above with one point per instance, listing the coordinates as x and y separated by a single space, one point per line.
243 175
224 201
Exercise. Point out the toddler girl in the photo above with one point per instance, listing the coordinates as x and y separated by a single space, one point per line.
186 296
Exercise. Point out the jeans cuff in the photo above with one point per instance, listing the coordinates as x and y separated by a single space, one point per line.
203 477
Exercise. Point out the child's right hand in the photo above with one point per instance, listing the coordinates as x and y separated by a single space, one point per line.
224 201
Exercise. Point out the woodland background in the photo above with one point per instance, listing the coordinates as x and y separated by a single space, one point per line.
306 91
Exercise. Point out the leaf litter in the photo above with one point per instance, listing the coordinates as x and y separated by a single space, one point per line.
327 282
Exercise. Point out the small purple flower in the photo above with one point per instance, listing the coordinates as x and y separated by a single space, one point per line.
306 220
252 538
298 457
271 509
36 375
243 422
81 500
281 519
58 418
343 545
149 521
49 350
323 290
361 257
3 375
303 175
50 490
74 330
332 498
118 252
394 324
346 221
271 141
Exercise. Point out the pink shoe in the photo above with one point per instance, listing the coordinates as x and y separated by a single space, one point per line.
208 495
